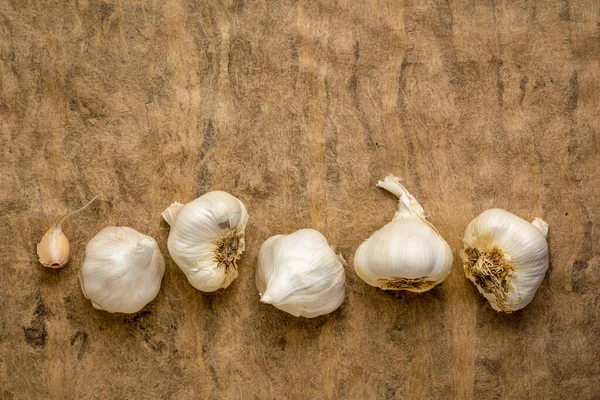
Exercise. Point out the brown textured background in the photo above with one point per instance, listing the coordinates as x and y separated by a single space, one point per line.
298 108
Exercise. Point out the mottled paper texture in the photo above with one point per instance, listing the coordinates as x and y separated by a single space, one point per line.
298 108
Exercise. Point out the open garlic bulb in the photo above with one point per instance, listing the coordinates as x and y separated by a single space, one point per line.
300 274
406 254
505 257
207 238
122 270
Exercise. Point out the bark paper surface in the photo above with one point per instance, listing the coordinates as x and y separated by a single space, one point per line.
297 108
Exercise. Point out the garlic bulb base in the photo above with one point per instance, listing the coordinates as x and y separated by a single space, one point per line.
412 285
490 271
229 250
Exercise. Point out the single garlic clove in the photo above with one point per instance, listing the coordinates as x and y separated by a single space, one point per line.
54 250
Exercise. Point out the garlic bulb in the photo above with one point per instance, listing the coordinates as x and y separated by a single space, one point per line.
406 254
54 249
505 257
207 238
122 270
300 274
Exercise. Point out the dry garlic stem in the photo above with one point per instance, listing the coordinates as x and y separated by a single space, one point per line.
54 250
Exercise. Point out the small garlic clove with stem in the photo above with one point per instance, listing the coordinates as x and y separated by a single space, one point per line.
54 250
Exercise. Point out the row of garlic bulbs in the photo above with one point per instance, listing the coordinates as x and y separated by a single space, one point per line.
503 255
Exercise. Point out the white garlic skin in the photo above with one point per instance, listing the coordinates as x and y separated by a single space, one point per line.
405 248
122 270
407 253
525 247
207 238
300 274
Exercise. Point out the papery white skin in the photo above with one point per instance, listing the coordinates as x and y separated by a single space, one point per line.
523 243
300 274
408 247
197 228
122 270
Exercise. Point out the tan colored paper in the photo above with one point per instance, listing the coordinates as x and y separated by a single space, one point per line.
297 108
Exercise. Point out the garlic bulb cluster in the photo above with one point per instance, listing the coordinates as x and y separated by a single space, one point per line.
300 274
408 253
505 257
122 270
207 238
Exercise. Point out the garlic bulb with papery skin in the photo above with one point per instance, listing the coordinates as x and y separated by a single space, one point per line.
505 257
300 274
207 238
408 253
122 270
